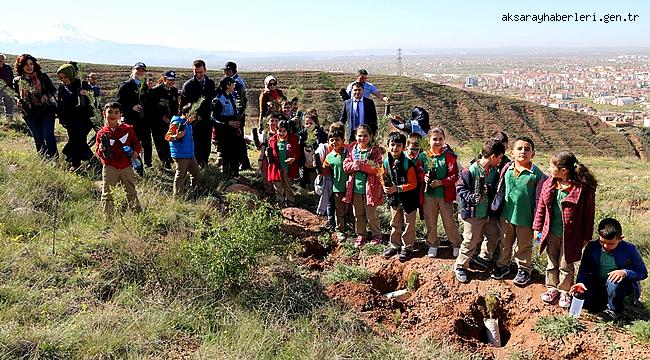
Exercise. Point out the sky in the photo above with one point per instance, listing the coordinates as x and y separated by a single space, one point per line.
289 26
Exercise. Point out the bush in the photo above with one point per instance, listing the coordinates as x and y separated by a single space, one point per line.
557 327
222 256
344 273
640 330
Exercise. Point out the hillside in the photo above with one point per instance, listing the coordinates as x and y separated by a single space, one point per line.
467 116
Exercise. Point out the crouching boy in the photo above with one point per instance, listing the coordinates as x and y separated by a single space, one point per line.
610 270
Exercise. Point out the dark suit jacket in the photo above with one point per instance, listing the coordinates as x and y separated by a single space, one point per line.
369 114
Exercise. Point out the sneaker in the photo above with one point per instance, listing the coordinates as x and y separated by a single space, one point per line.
565 300
522 278
405 254
433 252
456 251
339 236
607 315
461 275
359 241
550 295
390 252
482 263
500 272
375 240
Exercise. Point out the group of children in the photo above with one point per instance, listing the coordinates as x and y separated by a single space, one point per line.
504 204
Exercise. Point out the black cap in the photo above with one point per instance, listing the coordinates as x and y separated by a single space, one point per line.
230 66
140 65
226 80
170 75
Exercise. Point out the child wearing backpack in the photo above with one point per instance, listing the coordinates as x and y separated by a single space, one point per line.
401 186
333 167
441 174
565 218
519 187
181 144
476 188
283 153
364 189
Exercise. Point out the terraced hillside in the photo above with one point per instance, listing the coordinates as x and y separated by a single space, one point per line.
467 116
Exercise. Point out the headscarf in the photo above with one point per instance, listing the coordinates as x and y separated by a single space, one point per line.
267 80
68 70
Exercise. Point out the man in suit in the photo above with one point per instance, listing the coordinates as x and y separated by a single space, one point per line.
358 110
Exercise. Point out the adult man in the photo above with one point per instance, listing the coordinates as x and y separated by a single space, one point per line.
131 95
230 70
358 110
200 88
6 77
368 88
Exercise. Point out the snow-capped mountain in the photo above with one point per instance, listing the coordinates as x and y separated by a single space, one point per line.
66 42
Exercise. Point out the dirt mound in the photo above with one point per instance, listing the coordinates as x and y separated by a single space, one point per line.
452 313
315 241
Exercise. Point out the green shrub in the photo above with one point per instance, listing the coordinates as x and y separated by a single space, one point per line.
222 256
558 326
344 273
640 330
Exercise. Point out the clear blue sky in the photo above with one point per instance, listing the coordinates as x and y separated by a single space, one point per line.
282 25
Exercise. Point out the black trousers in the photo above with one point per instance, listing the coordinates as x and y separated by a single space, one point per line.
143 132
230 140
158 132
202 134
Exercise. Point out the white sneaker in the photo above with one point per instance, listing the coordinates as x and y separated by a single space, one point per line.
456 251
433 251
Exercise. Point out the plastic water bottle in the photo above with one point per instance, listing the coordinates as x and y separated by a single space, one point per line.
577 302
135 163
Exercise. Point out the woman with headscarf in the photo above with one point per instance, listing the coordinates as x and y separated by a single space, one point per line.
35 94
75 113
270 98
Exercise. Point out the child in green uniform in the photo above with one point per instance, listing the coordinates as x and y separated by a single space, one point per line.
334 165
476 188
441 173
518 190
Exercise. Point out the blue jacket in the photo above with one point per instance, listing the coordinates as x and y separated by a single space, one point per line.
183 148
625 255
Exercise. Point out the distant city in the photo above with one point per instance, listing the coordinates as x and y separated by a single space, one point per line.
614 86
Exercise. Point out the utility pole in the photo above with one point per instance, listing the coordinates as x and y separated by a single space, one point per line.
400 68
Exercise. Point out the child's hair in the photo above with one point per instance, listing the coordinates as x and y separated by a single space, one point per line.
365 127
283 124
337 126
334 134
577 172
610 228
525 139
396 137
285 103
186 109
113 105
500 136
313 118
436 130
414 138
492 147
272 115
311 111
294 99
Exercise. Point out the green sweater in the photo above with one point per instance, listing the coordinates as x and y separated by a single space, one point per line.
519 203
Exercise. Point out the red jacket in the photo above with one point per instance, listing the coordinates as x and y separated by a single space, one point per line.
374 188
293 151
122 135
578 211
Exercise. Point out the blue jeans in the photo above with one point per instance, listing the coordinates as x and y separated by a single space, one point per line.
41 125
603 294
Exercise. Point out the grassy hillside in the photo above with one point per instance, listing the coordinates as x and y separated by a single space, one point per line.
467 116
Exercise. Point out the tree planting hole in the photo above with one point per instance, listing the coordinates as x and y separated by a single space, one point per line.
471 326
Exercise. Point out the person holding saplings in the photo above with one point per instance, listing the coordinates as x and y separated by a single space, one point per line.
610 270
